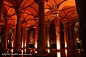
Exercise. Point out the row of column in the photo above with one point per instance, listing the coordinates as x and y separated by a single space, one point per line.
41 32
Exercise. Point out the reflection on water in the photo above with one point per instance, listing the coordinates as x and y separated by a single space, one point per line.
58 54
66 52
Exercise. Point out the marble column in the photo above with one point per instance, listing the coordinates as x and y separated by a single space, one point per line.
57 29
18 33
4 43
23 37
14 34
71 40
1 1
66 39
0 28
36 35
48 39
41 28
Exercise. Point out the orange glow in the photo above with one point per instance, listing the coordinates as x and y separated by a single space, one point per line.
25 50
12 43
48 45
66 52
46 10
58 54
22 51
58 45
35 51
12 50
36 44
22 43
31 50
8 40
65 44
48 50
25 43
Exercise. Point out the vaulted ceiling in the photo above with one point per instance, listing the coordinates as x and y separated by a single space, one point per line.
29 11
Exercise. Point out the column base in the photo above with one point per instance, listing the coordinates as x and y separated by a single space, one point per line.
4 50
17 50
41 55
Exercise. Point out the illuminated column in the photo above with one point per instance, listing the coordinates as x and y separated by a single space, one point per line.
26 30
18 33
27 39
41 28
36 37
14 34
23 37
4 46
0 13
58 40
66 38
0 28
1 1
71 40
57 28
48 40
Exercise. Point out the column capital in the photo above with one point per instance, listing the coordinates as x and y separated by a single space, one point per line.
69 24
64 21
48 24
39 1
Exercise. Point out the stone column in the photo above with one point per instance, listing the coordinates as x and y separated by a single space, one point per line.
23 37
18 33
57 28
48 39
66 39
26 30
36 35
4 46
41 28
1 1
71 40
0 28
14 34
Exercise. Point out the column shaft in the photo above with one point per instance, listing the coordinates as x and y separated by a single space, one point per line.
1 1
66 39
71 40
4 46
57 28
23 37
18 34
41 30
14 34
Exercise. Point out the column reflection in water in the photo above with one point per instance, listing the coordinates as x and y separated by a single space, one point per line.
58 54
12 52
65 52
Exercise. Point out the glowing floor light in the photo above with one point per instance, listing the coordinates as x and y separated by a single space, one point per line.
12 50
12 43
35 51
22 43
22 51
58 54
65 44
48 50
48 45
8 40
58 45
25 43
25 50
